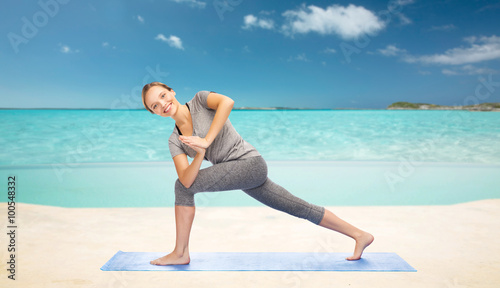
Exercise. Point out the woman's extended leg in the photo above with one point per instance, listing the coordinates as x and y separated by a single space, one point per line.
184 216
362 238
277 197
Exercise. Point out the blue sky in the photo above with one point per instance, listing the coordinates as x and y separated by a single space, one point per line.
314 54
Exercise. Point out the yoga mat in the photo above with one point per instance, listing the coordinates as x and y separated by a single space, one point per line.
261 261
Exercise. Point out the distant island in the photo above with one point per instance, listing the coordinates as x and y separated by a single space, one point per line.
426 106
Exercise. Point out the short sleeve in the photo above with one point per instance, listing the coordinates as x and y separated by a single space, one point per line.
201 98
175 146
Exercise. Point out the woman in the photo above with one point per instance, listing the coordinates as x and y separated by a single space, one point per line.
203 132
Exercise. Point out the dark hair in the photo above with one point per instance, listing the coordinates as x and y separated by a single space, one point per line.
145 90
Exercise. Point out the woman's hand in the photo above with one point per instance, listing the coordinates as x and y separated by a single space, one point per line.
194 141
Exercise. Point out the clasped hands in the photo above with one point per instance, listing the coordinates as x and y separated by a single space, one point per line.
196 143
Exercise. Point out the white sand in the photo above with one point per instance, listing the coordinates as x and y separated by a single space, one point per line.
450 246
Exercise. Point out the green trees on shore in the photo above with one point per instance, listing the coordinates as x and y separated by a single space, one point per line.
427 106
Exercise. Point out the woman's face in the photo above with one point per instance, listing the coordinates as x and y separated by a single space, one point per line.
161 101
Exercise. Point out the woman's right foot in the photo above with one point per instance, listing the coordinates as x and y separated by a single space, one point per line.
172 259
363 241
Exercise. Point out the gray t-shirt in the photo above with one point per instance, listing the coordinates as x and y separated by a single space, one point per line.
228 145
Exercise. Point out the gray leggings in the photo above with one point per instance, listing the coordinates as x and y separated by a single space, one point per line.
249 175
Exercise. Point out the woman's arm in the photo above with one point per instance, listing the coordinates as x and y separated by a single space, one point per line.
222 106
186 172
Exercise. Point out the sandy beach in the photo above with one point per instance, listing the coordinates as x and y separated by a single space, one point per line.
450 246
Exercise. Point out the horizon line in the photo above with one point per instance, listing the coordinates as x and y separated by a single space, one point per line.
237 108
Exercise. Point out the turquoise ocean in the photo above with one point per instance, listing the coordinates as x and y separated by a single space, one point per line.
120 158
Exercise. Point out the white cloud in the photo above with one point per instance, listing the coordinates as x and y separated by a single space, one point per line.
300 57
424 72
448 27
263 12
107 45
172 41
480 49
489 7
329 51
404 20
140 18
468 70
246 49
251 21
192 3
396 6
348 22
403 2
391 50
470 39
67 50
448 72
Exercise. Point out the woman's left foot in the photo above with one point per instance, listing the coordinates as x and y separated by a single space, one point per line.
172 259
363 241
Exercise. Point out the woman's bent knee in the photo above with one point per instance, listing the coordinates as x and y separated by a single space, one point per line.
258 171
182 196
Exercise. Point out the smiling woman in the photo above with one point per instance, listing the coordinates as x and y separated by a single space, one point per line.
147 87
204 132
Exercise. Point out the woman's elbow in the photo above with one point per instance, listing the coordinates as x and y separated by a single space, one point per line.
229 102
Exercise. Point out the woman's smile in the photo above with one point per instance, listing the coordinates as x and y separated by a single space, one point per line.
167 109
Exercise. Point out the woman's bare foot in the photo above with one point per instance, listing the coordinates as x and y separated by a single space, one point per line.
172 259
363 241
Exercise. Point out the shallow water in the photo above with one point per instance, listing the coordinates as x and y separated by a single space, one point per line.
326 183
90 136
